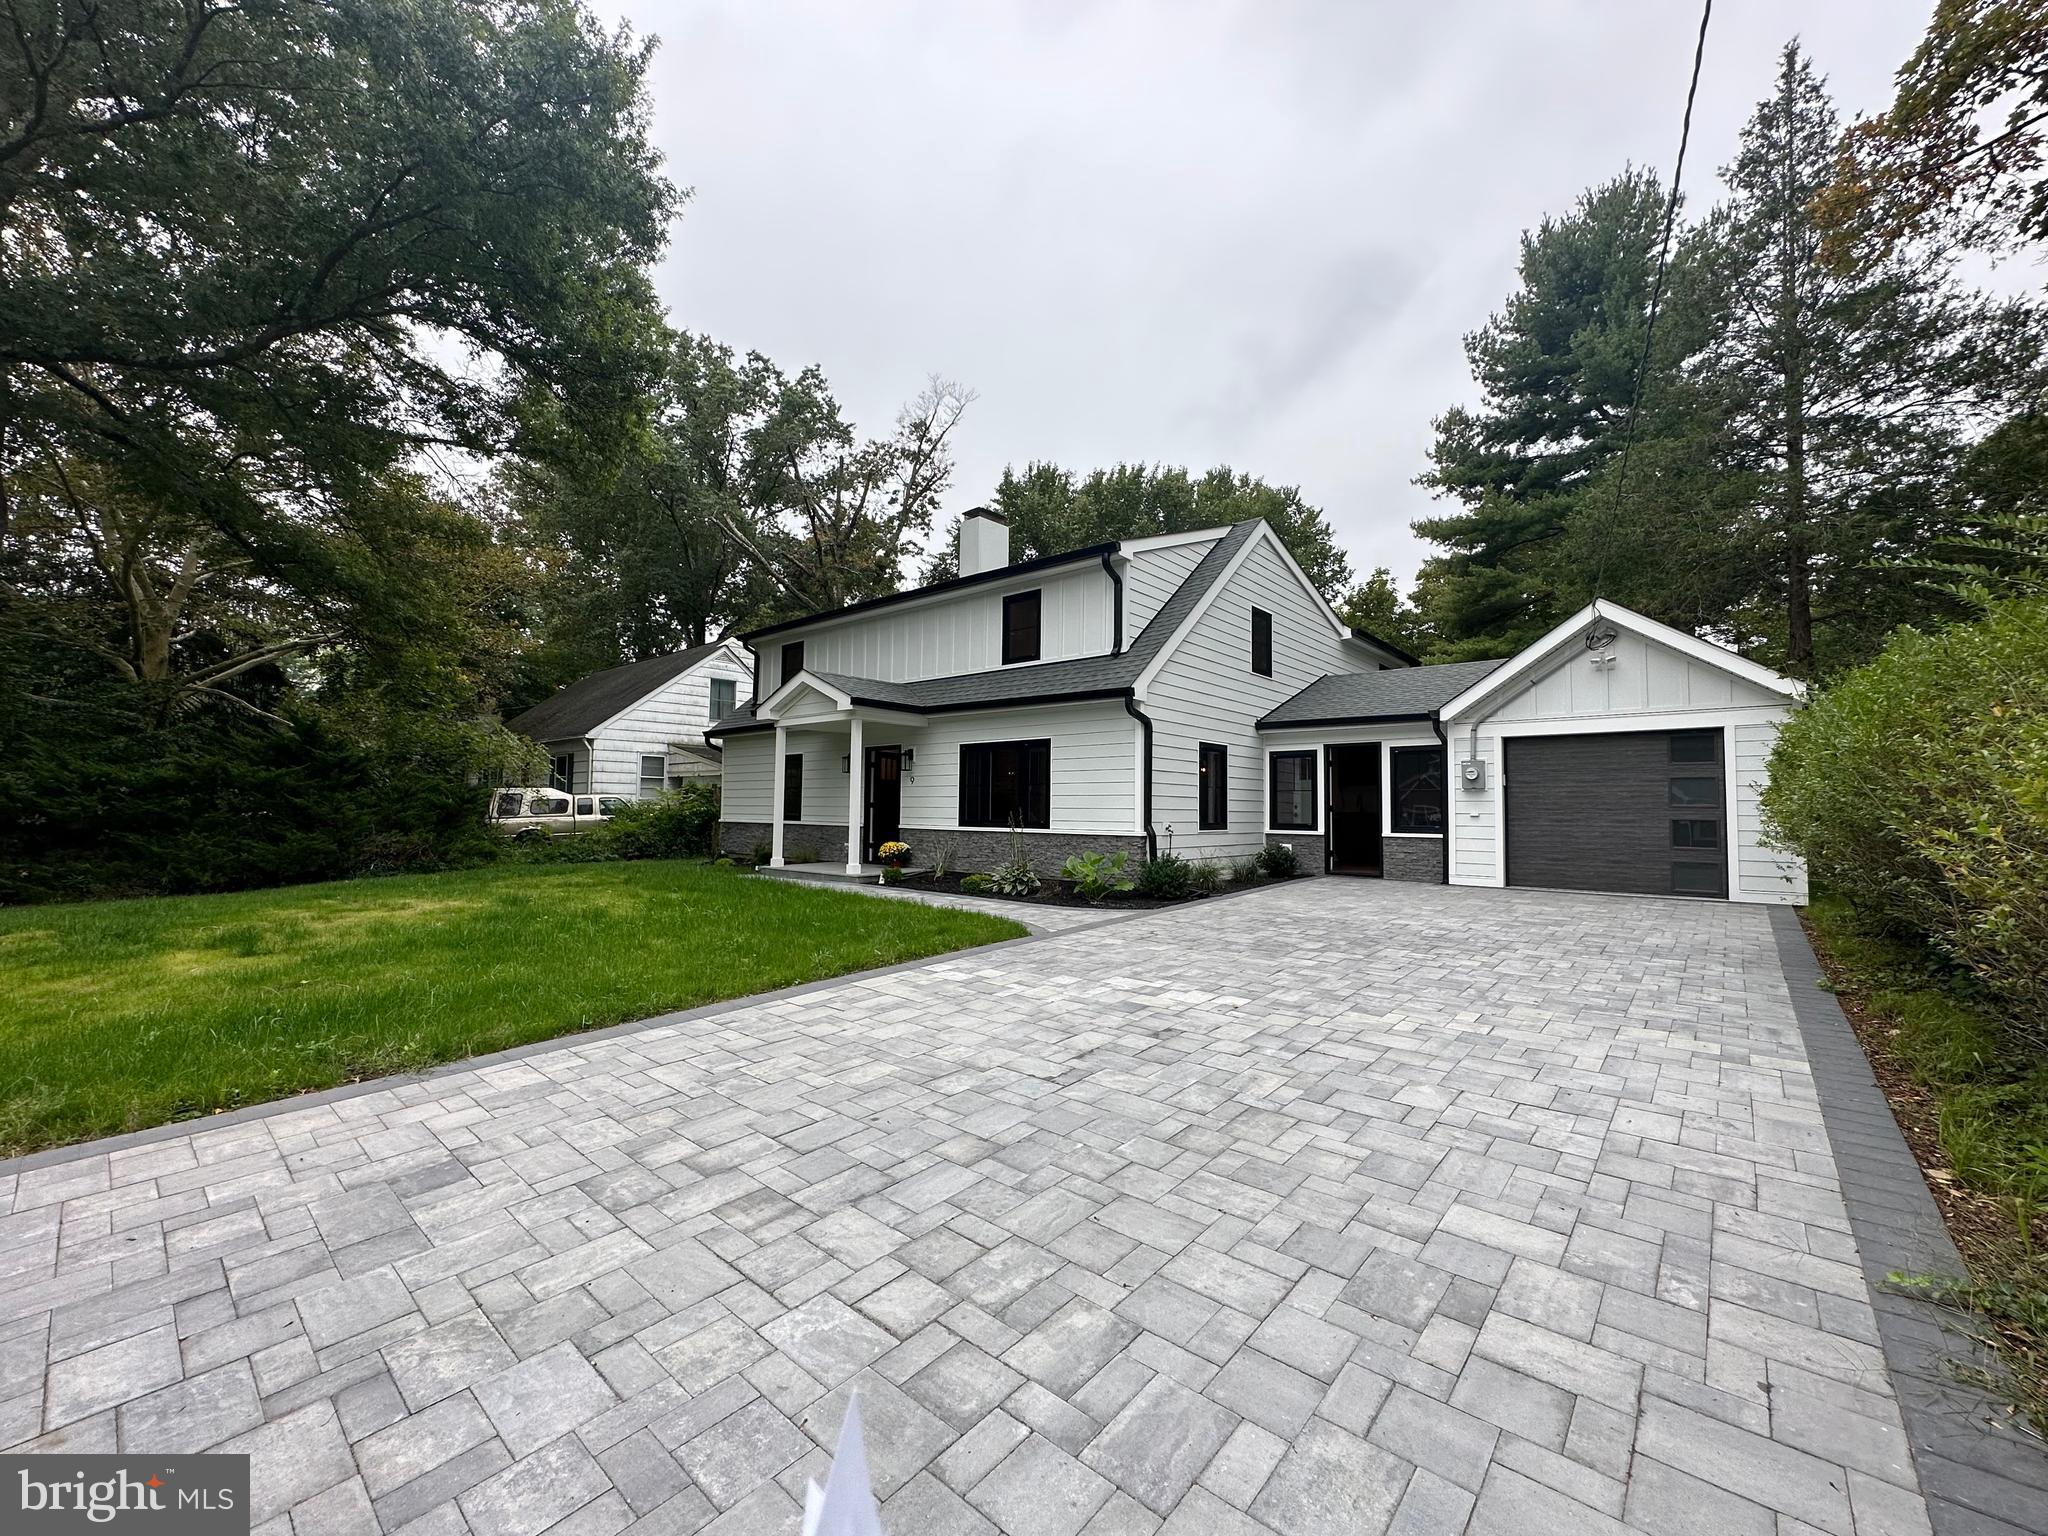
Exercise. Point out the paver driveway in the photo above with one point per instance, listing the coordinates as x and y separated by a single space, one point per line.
1333 1208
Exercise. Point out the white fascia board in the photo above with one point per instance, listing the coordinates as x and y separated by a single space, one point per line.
1533 658
1170 540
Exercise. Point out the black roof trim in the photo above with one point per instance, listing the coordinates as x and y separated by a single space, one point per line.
979 578
1300 725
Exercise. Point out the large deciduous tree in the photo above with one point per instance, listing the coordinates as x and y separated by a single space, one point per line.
255 256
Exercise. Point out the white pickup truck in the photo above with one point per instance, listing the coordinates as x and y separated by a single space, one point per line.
541 813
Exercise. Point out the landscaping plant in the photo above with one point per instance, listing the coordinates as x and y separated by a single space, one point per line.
1278 861
1098 876
1169 877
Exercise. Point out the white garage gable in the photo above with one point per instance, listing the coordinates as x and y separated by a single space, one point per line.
1609 671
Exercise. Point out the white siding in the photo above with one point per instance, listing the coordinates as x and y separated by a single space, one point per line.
1206 691
1151 578
945 636
748 793
677 711
1760 873
1649 687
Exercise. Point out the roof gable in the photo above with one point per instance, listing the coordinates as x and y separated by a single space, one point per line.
586 704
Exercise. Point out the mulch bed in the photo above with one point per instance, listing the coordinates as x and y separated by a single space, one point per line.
1051 893
1980 1226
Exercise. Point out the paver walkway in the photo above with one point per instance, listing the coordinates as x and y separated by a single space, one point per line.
1343 1207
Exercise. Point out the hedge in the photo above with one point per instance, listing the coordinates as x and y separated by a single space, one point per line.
1917 788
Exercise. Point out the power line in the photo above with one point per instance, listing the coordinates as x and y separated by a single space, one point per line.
1635 396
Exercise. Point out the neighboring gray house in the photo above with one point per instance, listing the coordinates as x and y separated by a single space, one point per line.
634 729
1194 691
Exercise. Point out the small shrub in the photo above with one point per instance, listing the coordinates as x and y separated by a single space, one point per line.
1247 870
1169 877
942 860
1013 879
1279 862
760 854
1205 878
975 884
892 874
1098 876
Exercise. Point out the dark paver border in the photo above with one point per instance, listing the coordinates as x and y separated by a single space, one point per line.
1980 1476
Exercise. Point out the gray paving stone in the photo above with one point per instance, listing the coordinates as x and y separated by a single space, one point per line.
446 1359
1158 1445
196 1413
534 1493
291 1459
1331 1483
740 1451
542 1398
114 1373
1039 1490
349 1307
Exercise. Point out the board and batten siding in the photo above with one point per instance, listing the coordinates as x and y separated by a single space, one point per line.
946 636
1152 576
676 711
1206 691
1648 687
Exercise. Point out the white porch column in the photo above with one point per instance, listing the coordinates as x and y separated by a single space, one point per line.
856 787
781 773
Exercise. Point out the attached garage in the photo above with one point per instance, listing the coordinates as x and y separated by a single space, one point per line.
1643 812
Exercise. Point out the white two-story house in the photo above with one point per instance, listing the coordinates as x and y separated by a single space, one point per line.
1193 692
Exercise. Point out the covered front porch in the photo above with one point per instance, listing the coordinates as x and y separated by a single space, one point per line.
876 752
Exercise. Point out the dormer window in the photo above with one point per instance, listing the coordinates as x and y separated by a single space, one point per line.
792 659
1262 642
1020 627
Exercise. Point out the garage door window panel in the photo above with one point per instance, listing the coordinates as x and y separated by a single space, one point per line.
1690 789
1695 833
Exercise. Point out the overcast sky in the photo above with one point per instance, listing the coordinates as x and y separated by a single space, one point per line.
1183 232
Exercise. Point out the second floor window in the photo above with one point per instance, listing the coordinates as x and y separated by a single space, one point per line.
792 659
1020 627
724 697
1262 642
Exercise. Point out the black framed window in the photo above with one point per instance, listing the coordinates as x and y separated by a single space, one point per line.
1695 791
1020 627
1293 787
792 659
1006 781
562 773
793 786
1417 789
1696 747
1212 786
1262 642
724 697
1695 834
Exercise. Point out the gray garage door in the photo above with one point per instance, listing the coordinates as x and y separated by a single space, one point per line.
1637 812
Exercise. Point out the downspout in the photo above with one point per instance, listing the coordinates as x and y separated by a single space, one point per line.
1145 727
1436 724
1116 622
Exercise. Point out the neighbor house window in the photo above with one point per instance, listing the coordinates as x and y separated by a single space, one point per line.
562 773
1020 627
1006 781
1294 791
653 774
1418 789
1262 642
1212 787
792 659
724 697
793 786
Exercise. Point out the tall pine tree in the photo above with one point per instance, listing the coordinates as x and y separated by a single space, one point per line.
1847 395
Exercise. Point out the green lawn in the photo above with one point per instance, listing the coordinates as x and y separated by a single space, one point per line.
122 1014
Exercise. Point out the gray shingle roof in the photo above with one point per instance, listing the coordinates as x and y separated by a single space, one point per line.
1403 691
1083 677
588 702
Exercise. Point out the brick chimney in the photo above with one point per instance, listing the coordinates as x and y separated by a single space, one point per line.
984 541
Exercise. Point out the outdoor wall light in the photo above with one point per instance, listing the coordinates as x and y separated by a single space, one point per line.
846 762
